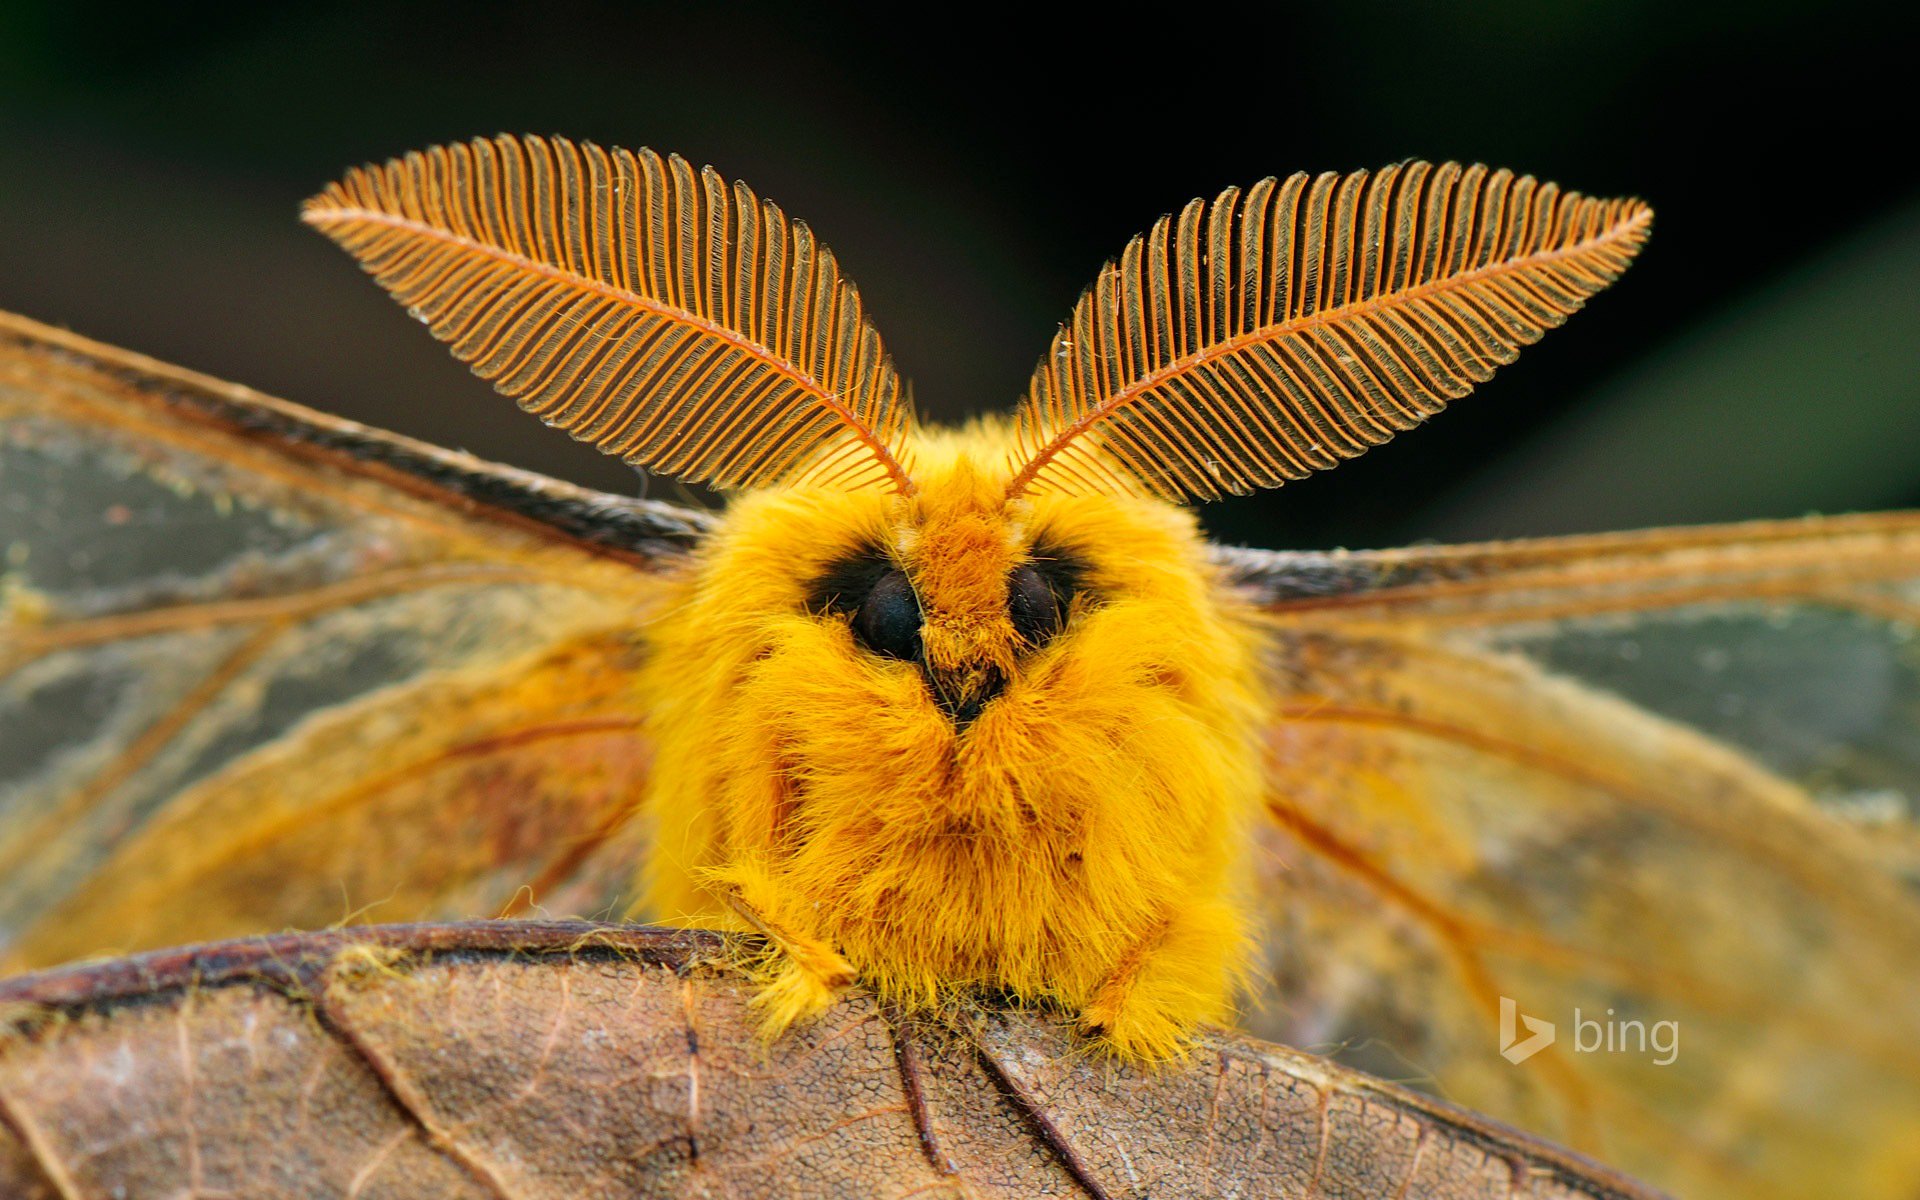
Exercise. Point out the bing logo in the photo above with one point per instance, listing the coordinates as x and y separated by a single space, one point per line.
1590 1035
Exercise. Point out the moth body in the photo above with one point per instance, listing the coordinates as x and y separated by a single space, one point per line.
1044 787
964 709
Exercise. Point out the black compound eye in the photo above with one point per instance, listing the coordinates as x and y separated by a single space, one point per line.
888 620
1034 607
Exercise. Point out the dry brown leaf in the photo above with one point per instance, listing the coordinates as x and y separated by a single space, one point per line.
511 1059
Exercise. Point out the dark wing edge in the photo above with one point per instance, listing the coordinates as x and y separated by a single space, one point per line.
1426 580
627 527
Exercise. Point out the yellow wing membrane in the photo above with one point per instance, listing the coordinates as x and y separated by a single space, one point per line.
1657 789
661 314
262 668
1278 331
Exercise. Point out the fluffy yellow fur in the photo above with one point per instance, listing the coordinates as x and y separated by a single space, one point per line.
1080 842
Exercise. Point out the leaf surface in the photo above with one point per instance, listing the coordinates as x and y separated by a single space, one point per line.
563 1060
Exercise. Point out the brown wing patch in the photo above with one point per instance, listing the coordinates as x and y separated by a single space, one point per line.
452 796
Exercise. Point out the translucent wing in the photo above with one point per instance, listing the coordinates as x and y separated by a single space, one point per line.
1657 789
261 668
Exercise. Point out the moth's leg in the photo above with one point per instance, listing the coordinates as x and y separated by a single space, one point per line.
810 974
1178 976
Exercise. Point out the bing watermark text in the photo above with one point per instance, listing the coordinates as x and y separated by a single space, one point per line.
1658 1040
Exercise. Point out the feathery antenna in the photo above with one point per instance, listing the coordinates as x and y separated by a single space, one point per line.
659 313
1278 331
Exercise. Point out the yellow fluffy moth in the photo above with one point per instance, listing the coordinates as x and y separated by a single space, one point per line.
962 709
950 713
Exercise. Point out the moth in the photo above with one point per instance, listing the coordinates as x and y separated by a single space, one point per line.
953 711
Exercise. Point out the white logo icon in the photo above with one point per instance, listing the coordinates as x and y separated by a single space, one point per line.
1511 1048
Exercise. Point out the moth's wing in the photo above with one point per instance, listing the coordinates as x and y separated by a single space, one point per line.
261 668
1658 788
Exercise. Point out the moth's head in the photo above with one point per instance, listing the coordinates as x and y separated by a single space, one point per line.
958 589
958 604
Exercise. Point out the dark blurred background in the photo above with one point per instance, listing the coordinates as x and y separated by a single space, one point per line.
1763 359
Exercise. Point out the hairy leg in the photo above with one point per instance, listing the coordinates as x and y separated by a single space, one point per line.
808 973
1175 978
